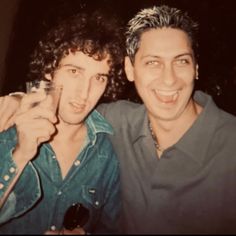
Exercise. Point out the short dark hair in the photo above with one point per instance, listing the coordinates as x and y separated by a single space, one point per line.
94 35
159 17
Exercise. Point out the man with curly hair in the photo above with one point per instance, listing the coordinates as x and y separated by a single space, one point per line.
48 162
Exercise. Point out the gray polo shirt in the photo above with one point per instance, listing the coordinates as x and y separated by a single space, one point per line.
192 188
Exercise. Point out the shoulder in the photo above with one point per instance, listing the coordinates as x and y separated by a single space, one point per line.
226 123
104 147
121 111
117 106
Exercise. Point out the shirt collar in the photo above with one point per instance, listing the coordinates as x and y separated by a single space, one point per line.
196 140
139 123
98 124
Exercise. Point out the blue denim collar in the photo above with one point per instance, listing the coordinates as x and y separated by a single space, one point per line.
98 124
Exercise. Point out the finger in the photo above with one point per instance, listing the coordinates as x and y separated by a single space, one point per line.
37 112
31 99
42 127
43 139
31 135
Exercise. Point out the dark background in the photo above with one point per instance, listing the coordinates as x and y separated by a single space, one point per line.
217 39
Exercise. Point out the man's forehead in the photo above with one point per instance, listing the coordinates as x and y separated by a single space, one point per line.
84 61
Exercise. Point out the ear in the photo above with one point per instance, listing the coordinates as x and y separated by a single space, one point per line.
129 70
48 76
197 73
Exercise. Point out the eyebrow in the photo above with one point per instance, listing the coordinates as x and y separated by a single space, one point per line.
178 56
184 54
82 69
72 65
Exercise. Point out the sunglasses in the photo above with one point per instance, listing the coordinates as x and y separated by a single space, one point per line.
76 216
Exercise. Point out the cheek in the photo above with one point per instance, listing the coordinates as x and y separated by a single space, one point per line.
145 82
186 75
96 91
58 78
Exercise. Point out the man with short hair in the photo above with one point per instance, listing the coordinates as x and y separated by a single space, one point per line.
177 151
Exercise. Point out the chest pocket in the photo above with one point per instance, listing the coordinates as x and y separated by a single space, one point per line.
93 196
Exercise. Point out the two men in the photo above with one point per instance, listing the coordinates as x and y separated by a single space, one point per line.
50 163
177 151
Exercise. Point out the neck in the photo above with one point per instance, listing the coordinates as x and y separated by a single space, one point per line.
167 133
69 132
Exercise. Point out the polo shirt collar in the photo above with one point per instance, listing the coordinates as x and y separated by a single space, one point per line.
139 125
196 140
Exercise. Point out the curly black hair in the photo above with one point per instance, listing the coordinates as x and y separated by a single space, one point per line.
95 35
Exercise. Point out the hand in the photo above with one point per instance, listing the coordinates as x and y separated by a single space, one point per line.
8 109
76 231
34 124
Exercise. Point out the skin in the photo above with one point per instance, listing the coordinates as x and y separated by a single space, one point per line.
84 81
164 71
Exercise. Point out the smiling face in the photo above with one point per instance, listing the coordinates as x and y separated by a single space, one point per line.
84 80
163 72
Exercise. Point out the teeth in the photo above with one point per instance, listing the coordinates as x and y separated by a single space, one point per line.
166 93
166 96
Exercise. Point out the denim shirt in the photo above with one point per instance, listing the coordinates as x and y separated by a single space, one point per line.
44 196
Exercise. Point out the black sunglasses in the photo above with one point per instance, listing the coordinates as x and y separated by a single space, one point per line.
76 216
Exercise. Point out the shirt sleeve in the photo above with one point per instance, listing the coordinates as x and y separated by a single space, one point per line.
25 193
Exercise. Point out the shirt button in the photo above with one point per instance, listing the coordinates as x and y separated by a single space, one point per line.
53 227
97 203
1 186
77 162
59 193
53 157
12 170
6 177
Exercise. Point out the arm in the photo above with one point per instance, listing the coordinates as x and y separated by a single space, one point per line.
27 187
8 108
34 125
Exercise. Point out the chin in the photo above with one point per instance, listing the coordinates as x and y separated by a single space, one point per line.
72 120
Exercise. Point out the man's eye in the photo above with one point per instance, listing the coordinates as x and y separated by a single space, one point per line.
101 78
182 62
73 71
153 63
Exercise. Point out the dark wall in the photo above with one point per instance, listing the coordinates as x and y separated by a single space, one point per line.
217 38
7 13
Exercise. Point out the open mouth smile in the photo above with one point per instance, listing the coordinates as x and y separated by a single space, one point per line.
166 96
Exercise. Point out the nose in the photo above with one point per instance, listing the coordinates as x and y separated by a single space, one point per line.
168 75
84 88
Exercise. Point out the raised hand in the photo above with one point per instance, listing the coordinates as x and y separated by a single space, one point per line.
35 124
